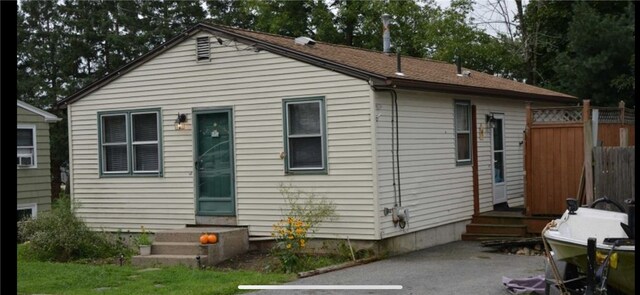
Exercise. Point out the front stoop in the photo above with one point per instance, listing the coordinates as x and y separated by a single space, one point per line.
182 246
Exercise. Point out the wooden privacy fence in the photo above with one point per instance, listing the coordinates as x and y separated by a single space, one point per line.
555 142
614 173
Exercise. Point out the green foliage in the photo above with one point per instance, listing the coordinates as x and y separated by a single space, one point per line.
59 235
303 214
143 238
34 277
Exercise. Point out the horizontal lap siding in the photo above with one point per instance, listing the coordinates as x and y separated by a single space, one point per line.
34 184
514 125
254 85
433 188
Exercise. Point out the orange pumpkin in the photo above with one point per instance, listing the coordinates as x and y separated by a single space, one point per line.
212 238
203 238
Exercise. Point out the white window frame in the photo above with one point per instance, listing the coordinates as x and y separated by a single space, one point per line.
103 144
34 155
156 142
322 135
131 171
456 131
32 206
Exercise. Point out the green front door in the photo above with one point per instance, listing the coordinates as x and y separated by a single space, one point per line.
214 163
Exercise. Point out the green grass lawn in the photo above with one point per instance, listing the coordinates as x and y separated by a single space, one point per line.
73 278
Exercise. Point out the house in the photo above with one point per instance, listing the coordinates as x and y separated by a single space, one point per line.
206 127
33 160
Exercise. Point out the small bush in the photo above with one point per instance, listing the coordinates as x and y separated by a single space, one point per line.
59 235
305 211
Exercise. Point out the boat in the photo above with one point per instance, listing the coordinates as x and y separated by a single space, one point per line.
614 233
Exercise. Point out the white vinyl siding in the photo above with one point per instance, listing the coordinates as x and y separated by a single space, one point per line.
253 85
434 188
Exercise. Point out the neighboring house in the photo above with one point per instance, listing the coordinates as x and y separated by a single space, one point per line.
33 160
262 110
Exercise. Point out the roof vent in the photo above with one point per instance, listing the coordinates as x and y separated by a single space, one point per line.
466 73
304 41
203 49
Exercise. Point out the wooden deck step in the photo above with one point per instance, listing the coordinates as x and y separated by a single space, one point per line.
516 229
482 237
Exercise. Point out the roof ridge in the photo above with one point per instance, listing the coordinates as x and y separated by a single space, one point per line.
326 43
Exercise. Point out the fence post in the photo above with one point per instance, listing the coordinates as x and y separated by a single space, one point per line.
624 134
588 154
527 159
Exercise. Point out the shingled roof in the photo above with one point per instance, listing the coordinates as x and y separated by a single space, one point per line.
374 66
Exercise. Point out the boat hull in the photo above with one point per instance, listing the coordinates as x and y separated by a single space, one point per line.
568 240
622 277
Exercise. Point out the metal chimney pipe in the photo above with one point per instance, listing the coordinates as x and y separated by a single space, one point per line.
459 65
398 57
386 36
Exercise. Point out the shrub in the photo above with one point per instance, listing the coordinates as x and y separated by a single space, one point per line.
143 238
305 211
59 235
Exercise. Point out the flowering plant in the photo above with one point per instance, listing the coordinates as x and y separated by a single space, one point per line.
291 237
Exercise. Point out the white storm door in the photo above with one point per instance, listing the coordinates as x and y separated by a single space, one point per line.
497 160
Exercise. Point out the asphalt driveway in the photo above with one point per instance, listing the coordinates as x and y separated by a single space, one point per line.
461 267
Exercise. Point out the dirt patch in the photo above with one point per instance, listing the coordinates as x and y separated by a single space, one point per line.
253 260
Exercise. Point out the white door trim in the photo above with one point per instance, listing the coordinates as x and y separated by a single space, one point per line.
498 174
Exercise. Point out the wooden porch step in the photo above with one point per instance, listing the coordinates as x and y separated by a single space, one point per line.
482 237
516 229
490 219
155 260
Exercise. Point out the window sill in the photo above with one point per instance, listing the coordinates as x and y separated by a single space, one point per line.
102 175
306 172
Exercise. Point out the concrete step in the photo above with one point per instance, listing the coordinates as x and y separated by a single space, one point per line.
516 229
480 237
155 260
178 248
192 234
181 246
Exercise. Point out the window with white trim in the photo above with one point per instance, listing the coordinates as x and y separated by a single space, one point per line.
26 147
462 123
130 143
305 139
27 211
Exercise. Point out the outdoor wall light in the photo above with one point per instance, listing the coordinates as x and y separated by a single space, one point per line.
181 122
491 121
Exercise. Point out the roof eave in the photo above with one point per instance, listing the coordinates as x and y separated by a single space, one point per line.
463 89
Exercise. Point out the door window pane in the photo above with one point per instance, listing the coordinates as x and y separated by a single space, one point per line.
497 136
498 166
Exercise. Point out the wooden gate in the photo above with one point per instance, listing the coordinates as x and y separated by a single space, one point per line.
554 152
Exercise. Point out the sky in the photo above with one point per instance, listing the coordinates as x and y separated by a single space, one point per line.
486 13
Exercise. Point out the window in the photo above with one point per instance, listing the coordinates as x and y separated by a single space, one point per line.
305 140
129 143
26 148
462 122
27 211
203 48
